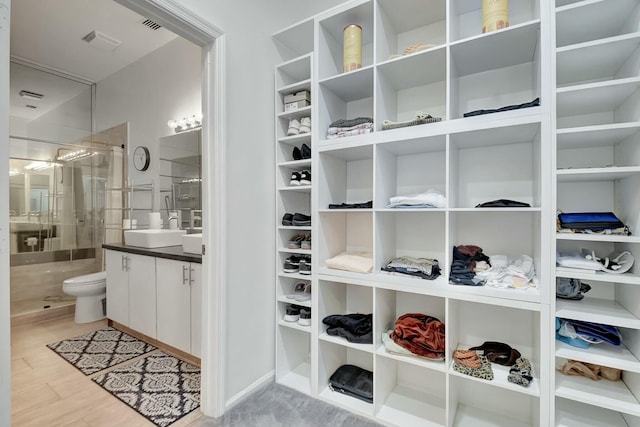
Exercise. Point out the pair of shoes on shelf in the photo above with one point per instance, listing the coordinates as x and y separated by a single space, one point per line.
297 264
302 153
297 219
297 313
297 127
301 292
300 241
301 178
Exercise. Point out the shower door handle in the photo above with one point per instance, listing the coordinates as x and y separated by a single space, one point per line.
191 279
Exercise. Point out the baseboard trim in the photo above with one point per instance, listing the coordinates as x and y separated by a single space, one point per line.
162 346
259 383
41 316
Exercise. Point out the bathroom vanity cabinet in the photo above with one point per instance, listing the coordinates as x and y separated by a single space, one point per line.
157 293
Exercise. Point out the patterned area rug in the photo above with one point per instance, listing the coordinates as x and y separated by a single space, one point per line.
160 387
101 349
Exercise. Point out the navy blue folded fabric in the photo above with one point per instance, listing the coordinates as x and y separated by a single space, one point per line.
590 221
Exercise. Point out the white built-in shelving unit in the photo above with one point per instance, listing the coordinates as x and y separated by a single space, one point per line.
596 160
577 151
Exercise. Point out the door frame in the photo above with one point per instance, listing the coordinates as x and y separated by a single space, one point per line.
190 26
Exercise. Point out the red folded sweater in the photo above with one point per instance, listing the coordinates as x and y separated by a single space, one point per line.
420 334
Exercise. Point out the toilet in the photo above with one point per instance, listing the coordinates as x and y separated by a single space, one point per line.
90 292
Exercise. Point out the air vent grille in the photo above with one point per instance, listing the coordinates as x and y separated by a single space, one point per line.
30 95
153 25
31 106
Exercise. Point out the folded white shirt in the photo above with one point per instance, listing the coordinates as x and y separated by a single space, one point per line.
358 262
429 197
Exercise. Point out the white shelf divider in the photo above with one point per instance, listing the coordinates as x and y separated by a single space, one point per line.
601 354
575 414
606 312
408 407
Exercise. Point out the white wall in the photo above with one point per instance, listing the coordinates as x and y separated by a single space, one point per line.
70 121
250 172
5 341
165 84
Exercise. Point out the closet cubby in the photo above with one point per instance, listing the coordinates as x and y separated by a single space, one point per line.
343 298
588 21
344 232
496 163
471 323
331 356
416 83
294 75
330 37
471 405
407 395
466 17
292 325
345 176
285 287
293 362
410 167
389 306
479 82
404 24
414 234
295 41
292 202
570 413
345 97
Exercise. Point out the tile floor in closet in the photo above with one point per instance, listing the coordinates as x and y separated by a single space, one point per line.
47 391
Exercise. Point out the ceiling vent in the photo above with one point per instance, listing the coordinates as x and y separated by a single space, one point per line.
101 41
149 23
30 95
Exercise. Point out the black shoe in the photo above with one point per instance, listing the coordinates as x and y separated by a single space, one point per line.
292 313
305 151
287 219
297 154
305 317
301 219
296 179
291 264
305 177
305 265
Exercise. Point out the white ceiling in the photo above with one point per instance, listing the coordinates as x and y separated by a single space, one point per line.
50 33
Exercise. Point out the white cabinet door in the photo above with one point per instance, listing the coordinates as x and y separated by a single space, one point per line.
117 287
196 308
174 301
142 294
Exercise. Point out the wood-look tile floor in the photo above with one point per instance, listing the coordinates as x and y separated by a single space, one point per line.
47 391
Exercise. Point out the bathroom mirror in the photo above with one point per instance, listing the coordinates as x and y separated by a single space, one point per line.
181 178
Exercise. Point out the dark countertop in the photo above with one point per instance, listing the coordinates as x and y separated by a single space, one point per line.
168 252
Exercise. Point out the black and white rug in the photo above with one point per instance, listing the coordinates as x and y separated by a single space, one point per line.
95 351
160 387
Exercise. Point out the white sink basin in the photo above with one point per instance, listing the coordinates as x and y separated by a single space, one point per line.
192 243
153 238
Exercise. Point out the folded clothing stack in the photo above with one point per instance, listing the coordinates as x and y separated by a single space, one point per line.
469 362
463 267
417 334
362 205
572 289
358 262
350 127
505 273
421 118
355 327
591 222
428 199
591 371
424 268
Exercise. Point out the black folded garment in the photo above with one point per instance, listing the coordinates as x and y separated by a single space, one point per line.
365 205
534 103
503 203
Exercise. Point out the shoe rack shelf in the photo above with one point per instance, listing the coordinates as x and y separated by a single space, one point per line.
596 159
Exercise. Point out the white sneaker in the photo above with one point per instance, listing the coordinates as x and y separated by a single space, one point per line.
305 125
294 127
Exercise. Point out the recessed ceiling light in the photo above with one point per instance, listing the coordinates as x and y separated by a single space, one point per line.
30 95
101 41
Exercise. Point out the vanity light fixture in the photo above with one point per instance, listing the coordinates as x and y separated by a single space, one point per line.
185 123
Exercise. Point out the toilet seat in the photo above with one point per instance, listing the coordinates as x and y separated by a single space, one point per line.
86 280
